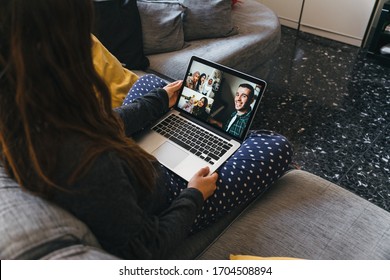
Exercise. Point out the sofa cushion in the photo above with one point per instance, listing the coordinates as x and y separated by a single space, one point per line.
255 44
118 79
195 244
208 19
205 18
31 227
305 216
162 26
118 27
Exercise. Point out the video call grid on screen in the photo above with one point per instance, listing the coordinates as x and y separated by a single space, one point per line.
219 88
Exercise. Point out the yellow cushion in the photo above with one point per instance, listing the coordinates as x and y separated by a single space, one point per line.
118 79
249 257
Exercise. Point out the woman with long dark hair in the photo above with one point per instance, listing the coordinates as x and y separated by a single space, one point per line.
61 140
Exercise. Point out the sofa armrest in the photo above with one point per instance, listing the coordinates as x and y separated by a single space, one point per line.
32 228
305 216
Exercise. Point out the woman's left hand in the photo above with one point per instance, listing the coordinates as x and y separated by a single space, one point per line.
173 91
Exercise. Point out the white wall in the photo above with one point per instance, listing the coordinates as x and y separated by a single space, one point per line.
341 20
287 10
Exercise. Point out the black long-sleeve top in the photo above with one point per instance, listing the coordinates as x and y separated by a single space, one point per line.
128 221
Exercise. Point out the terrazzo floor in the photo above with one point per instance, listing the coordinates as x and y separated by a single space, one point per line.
333 103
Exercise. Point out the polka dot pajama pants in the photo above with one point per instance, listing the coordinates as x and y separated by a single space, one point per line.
261 160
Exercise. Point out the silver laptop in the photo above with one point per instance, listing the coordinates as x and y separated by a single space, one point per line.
209 122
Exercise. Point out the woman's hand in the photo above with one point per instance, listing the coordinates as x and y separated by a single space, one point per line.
203 182
173 91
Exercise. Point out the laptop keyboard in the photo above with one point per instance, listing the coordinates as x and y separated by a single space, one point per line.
192 138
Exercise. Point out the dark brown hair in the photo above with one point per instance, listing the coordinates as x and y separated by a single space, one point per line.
50 89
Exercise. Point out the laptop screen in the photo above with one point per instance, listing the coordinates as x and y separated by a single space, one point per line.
220 96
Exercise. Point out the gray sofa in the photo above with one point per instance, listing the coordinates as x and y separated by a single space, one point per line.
301 216
248 51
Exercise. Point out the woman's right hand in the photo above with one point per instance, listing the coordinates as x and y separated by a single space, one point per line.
203 182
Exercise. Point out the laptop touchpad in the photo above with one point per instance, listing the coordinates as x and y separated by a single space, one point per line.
169 154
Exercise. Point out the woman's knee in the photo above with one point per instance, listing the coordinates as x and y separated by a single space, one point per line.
144 85
271 143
